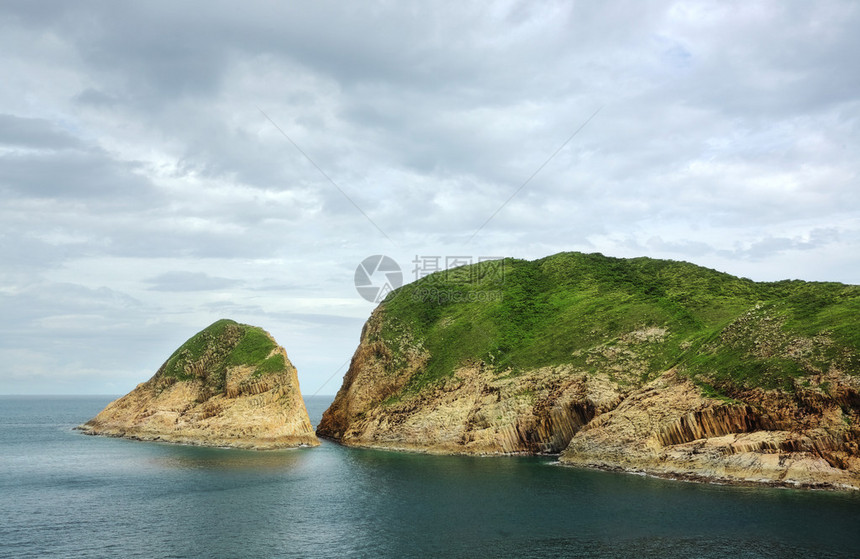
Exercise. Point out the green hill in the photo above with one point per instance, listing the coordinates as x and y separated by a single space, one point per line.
519 315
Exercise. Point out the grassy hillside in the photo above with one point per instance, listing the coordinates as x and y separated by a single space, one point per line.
637 316
226 343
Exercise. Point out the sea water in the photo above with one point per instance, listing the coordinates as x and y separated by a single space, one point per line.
65 494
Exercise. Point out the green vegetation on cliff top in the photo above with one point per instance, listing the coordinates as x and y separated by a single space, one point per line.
637 317
208 354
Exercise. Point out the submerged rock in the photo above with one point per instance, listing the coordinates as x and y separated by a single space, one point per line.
229 385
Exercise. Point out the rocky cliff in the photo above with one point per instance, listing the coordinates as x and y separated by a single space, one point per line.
641 365
668 428
229 385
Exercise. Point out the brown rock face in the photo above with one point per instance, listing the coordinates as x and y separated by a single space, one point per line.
230 385
669 429
476 411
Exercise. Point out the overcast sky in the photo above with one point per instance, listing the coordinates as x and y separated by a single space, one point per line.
167 164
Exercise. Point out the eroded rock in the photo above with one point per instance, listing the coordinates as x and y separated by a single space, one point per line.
230 385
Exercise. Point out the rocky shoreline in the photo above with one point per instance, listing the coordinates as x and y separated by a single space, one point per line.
715 480
209 443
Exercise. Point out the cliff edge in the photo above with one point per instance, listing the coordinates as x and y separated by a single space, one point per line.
641 365
229 385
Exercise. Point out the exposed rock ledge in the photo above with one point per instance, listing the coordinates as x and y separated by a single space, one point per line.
668 429
230 385
475 411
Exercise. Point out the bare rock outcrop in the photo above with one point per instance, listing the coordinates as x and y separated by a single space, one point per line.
669 429
475 411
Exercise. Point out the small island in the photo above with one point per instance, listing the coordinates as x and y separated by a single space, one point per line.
230 385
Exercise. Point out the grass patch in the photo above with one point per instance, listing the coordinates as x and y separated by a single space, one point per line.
517 315
710 391
208 354
253 348
273 364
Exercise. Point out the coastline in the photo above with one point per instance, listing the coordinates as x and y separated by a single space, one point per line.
284 443
693 477
668 473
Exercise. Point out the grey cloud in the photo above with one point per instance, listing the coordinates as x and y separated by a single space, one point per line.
36 133
189 281
60 317
768 246
25 254
78 174
755 250
303 320
775 61
38 301
95 98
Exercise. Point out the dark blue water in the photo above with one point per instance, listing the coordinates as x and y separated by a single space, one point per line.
63 494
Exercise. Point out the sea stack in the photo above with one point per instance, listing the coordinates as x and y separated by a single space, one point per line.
229 385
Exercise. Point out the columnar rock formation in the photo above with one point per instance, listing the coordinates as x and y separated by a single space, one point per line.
668 428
